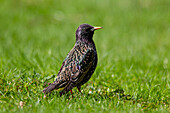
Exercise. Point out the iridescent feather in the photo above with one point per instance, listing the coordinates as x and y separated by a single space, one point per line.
79 64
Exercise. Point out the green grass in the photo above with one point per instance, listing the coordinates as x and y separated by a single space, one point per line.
133 72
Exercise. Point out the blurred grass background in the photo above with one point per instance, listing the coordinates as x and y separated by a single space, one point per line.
133 50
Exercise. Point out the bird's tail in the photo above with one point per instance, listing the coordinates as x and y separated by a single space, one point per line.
50 88
58 83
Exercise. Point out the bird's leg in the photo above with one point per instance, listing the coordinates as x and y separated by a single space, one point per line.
79 89
71 93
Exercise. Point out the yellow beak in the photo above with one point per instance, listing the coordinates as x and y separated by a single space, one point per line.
96 28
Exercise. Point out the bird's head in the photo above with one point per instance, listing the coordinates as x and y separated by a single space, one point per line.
85 32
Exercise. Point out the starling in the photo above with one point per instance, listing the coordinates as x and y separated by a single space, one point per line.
80 63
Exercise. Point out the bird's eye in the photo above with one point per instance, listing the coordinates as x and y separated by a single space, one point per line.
88 29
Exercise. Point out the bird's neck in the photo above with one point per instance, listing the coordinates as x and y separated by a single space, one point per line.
87 42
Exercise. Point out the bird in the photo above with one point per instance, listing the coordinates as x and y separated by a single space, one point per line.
79 64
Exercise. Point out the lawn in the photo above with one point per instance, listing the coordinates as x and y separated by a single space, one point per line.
133 72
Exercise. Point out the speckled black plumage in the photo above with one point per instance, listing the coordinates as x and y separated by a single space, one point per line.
80 63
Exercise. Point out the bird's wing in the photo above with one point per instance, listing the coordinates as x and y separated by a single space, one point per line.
82 66
79 70
76 64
